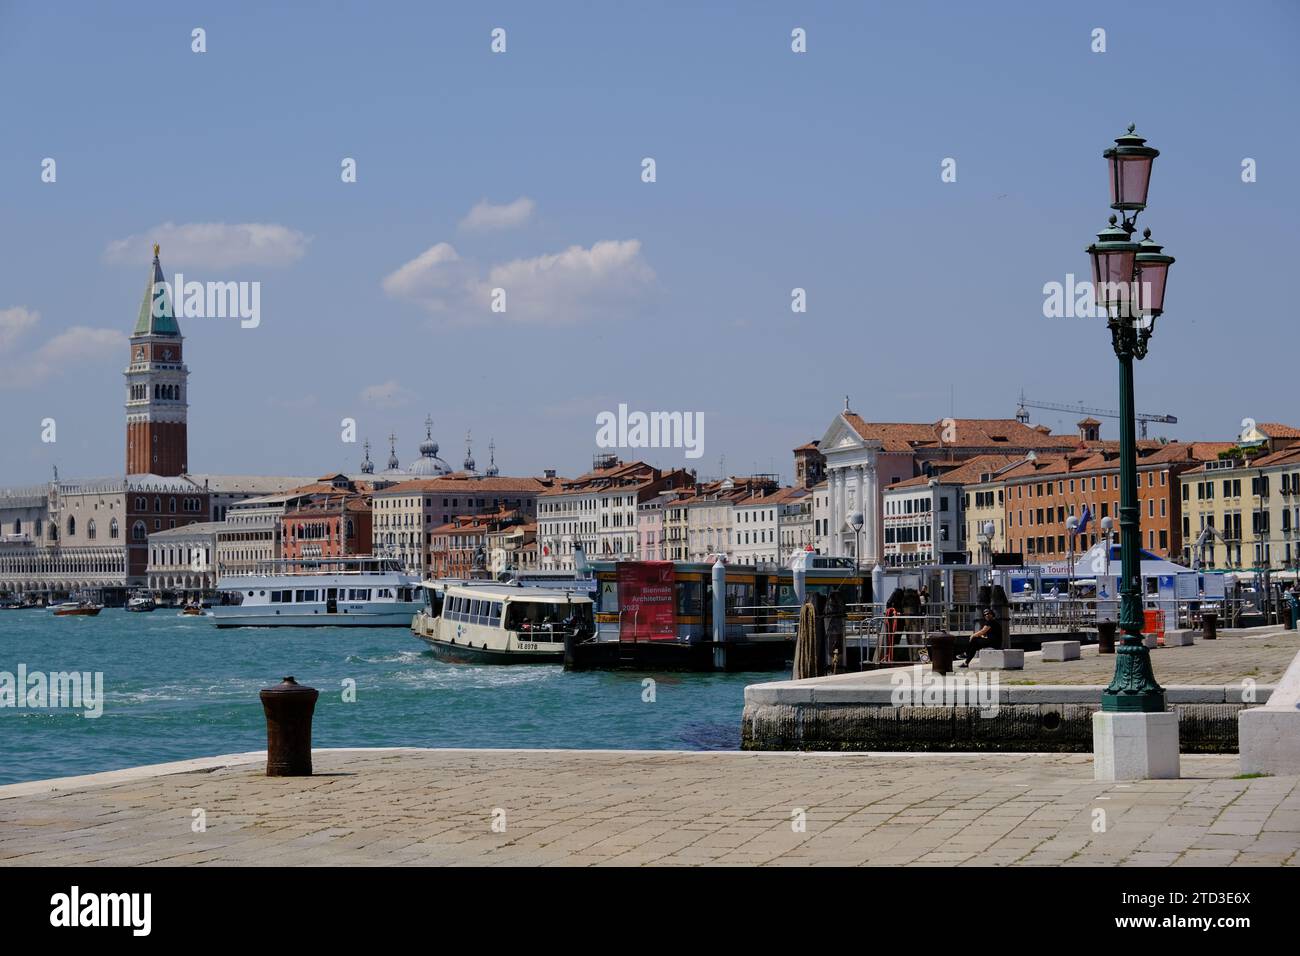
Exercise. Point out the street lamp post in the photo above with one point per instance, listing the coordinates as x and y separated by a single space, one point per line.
1129 283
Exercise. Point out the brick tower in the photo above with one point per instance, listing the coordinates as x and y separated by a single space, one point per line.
156 391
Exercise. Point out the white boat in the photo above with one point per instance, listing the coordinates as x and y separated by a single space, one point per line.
480 622
358 591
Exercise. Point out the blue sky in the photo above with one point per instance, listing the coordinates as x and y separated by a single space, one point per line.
775 170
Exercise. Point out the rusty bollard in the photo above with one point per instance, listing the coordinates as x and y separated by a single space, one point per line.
1105 637
289 707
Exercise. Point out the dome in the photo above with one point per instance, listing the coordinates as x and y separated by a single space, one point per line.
428 465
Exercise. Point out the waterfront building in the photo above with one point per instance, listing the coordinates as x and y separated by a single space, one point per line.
864 457
183 559
821 515
925 518
1250 499
329 523
89 534
598 511
227 490
406 513
650 528
796 524
513 546
1042 493
465 545
762 525
710 514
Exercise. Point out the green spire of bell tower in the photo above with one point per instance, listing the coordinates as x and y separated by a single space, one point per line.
156 315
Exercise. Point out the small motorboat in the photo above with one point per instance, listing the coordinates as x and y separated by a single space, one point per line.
142 603
192 610
76 609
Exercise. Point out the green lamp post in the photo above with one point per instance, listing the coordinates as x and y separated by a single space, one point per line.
1129 283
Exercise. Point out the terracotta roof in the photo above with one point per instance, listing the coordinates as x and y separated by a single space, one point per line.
1284 457
468 484
967 473
779 497
1278 430
813 445
968 433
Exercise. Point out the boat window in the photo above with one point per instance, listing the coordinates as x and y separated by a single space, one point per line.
496 612
690 597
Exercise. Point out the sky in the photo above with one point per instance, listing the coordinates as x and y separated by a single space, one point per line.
523 170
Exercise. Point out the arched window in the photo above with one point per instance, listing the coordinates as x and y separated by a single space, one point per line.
157 502
139 532
90 529
112 529
18 526
38 527
72 526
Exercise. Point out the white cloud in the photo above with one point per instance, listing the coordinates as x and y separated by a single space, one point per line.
431 273
610 279
13 323
485 217
387 395
212 245
69 349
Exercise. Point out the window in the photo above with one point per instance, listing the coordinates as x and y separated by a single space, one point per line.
72 526
90 529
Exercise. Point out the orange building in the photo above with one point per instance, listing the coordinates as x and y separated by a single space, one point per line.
1044 491
312 529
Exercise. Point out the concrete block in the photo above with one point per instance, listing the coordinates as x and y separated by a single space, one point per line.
1135 746
1179 638
1061 651
999 659
1269 736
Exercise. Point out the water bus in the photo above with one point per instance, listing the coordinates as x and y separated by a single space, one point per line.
355 591
486 622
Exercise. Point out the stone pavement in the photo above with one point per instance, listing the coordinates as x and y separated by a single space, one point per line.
1261 654
642 807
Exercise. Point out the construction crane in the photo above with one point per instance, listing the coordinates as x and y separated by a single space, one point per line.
1198 549
1022 413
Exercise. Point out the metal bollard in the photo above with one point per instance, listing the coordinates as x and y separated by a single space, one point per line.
1105 637
942 648
289 707
1209 625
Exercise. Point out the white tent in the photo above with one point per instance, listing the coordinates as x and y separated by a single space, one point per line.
1093 562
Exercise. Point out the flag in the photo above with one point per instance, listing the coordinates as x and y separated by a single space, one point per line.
1083 521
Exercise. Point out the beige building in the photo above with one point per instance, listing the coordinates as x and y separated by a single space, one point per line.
183 559
406 514
1243 512
597 512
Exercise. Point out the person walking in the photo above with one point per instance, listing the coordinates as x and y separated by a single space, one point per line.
983 635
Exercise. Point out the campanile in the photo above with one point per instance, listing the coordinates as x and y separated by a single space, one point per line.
156 387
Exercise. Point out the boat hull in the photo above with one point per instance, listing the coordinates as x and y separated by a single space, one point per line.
465 654
79 612
396 614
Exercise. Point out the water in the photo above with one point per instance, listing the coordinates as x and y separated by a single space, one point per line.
176 687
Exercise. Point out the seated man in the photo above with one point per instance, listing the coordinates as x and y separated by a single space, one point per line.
985 634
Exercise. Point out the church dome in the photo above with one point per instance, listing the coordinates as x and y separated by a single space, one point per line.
428 465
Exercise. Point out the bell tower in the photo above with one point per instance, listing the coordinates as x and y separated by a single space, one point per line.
156 387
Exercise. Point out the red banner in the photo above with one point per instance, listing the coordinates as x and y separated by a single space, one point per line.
647 601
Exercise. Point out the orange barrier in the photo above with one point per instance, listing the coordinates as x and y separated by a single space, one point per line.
1154 623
